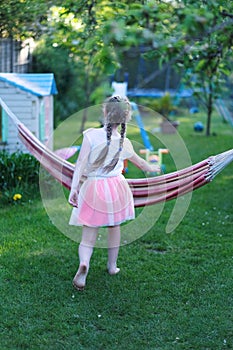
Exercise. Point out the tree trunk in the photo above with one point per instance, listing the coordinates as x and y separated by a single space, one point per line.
209 112
209 109
84 118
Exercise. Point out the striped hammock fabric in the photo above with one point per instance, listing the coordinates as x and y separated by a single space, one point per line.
146 191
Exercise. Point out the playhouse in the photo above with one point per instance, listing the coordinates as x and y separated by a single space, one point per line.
30 97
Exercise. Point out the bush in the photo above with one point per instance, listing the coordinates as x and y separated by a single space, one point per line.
163 105
19 177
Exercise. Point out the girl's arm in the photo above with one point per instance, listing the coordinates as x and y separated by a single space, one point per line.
142 164
79 170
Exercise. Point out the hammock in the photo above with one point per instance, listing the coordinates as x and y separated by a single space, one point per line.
146 191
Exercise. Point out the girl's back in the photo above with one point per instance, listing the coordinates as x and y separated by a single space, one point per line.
97 141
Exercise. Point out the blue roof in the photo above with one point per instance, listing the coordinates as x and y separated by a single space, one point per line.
42 84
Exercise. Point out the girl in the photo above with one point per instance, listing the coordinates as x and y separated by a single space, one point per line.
99 192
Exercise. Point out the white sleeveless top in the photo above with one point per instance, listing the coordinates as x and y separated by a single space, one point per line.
97 139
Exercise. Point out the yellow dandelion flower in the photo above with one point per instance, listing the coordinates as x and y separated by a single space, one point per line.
17 196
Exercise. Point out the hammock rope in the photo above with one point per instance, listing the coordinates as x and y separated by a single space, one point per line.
146 191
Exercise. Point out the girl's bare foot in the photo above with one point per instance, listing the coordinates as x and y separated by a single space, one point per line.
113 270
79 280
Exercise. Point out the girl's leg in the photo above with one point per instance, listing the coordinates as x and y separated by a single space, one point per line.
85 251
114 239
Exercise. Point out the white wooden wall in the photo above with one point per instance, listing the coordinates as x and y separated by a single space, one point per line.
26 107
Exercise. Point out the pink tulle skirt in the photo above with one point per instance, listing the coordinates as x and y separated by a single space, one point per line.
103 201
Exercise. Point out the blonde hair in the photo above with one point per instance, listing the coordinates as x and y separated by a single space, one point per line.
117 111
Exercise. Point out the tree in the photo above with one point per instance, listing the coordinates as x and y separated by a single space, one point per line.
208 58
194 36
20 19
70 57
48 58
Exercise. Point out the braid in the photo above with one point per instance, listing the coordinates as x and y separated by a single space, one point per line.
109 133
116 157
103 154
123 131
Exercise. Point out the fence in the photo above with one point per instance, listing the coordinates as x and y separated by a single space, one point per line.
15 56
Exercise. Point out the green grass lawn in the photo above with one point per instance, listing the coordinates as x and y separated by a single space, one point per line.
174 290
